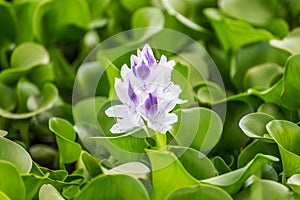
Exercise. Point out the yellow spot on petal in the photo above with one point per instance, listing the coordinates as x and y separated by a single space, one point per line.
143 73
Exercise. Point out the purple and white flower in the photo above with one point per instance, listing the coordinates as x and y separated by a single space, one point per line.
147 94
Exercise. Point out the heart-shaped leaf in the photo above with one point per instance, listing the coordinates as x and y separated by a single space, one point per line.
118 186
290 43
287 136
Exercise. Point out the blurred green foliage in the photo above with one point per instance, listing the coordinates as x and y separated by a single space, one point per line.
254 154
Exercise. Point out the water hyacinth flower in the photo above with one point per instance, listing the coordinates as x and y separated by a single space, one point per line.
147 94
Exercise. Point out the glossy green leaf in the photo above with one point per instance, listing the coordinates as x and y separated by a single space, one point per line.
262 76
290 43
92 165
210 93
196 163
203 191
294 183
244 10
113 187
14 153
261 147
135 169
147 17
29 54
4 196
49 96
164 166
65 137
254 55
291 81
55 19
264 189
48 192
11 183
287 136
184 12
234 34
254 125
233 181
202 137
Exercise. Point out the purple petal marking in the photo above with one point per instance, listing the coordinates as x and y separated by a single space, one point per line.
148 53
143 71
151 104
131 94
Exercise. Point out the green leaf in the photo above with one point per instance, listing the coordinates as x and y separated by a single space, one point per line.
202 137
118 186
287 136
29 54
48 192
254 125
69 150
7 23
261 147
165 165
233 181
184 12
294 183
264 189
291 82
233 137
11 183
54 20
262 76
135 169
92 165
24 91
254 55
234 34
290 43
203 191
220 165
210 93
196 163
265 11
147 17
9 100
132 5
14 153
49 96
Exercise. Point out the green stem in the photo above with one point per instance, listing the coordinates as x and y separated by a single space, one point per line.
161 140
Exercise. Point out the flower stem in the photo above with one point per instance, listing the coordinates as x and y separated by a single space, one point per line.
161 140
